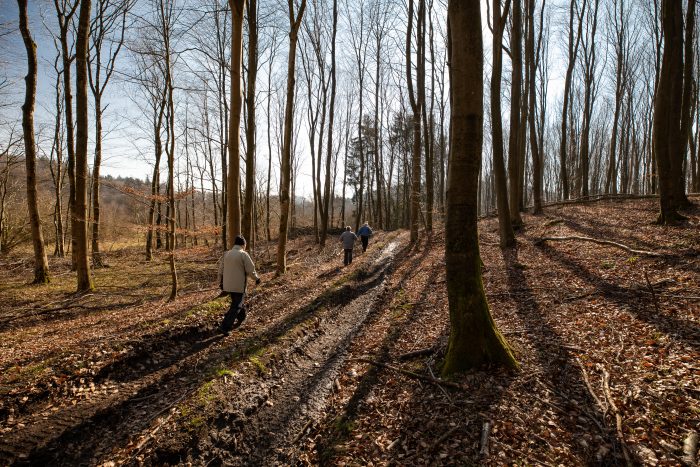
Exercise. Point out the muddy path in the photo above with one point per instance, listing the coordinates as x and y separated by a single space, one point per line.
144 403
263 415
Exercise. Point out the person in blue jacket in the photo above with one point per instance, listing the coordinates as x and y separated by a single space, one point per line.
364 232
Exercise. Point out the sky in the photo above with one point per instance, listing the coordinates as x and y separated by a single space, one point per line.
125 139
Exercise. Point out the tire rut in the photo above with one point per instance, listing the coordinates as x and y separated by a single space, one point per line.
268 416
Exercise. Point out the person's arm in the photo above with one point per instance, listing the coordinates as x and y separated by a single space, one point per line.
250 267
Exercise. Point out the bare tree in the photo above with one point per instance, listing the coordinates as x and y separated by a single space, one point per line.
516 52
248 206
65 11
505 227
416 108
41 264
688 95
107 31
233 179
79 221
574 41
285 171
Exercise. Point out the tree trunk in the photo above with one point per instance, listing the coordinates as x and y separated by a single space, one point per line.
331 119
250 129
96 256
155 181
474 338
79 224
166 19
41 264
505 227
688 94
534 147
515 129
64 21
233 179
417 111
667 111
573 52
285 170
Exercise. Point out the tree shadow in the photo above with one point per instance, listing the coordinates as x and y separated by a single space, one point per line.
75 434
565 376
341 431
631 300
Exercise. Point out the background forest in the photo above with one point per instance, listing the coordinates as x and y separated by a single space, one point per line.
581 124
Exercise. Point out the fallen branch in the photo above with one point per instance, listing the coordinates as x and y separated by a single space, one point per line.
653 294
428 379
618 417
599 242
586 380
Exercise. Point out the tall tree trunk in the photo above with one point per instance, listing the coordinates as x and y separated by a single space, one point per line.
155 181
65 24
233 180
331 119
166 23
58 174
474 338
515 128
688 94
107 19
505 227
250 129
285 171
79 224
417 112
532 111
667 111
41 263
573 53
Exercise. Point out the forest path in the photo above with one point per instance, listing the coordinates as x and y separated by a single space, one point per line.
115 413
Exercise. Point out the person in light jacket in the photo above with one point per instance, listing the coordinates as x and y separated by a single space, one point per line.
234 269
348 238
365 232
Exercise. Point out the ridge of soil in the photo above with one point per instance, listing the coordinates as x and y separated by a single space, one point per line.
122 377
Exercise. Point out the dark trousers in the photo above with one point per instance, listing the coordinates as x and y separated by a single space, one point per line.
365 241
235 311
348 257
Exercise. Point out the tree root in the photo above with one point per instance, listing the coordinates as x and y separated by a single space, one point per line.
427 379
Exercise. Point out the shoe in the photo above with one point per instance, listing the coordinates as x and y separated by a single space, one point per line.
224 332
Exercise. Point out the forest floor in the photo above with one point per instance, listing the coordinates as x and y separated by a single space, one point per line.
609 375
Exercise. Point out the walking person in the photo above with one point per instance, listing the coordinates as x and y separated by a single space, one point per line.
234 269
348 238
365 232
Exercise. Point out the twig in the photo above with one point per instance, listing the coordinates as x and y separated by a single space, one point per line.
417 353
442 438
618 417
486 430
428 379
599 242
653 294
303 430
598 402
